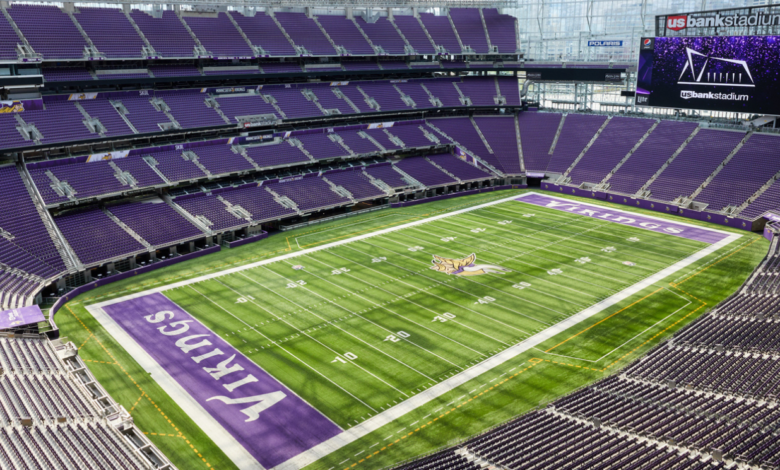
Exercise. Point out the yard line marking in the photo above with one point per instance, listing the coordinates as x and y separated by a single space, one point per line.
442 283
346 310
535 248
455 288
515 258
310 337
575 240
546 244
341 226
329 322
629 340
578 219
651 234
531 252
503 278
374 323
485 285
418 305
282 347
568 222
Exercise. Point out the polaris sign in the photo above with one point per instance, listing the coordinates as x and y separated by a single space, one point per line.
680 22
605 43
719 73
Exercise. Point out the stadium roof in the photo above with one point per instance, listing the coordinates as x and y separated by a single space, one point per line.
317 3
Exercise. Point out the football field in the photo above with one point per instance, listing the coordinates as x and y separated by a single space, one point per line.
360 330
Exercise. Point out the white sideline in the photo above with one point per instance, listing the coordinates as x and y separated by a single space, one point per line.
244 460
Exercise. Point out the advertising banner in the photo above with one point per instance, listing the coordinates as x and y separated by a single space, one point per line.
19 317
381 125
7 107
605 43
82 96
719 73
735 21
460 153
104 157
19 106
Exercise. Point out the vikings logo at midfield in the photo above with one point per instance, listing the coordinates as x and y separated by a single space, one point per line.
464 267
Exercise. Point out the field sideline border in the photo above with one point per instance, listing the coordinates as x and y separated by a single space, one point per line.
244 460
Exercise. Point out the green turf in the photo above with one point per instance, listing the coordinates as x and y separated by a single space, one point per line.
297 333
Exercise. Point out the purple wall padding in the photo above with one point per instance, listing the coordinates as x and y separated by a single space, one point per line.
719 219
55 332
462 193
247 240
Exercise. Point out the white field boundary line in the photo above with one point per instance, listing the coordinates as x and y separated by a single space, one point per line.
372 234
223 439
297 239
372 424
307 251
632 339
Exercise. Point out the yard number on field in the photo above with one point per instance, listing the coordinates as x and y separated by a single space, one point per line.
448 239
504 222
293 285
378 260
521 285
444 317
415 248
338 271
397 337
348 355
485 300
582 260
244 299
554 272
477 230
609 249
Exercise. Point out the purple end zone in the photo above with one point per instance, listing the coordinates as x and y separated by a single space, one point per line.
626 218
270 421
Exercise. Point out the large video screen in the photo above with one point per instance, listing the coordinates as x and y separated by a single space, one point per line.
722 73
